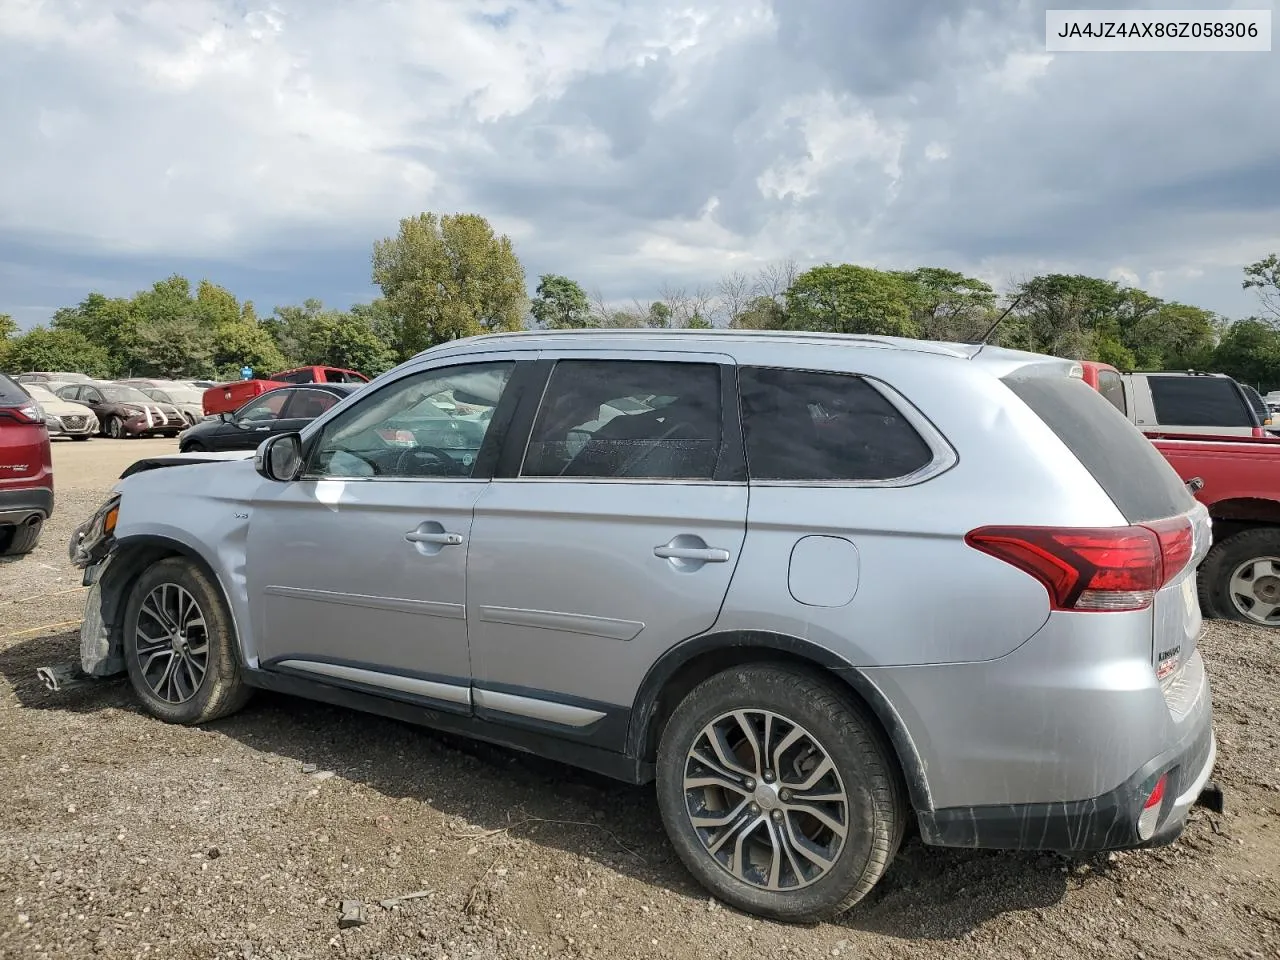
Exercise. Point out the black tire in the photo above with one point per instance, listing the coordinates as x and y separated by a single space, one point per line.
1220 564
875 812
20 539
221 690
113 428
195 446
80 436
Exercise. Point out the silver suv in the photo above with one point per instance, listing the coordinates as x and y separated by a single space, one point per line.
821 589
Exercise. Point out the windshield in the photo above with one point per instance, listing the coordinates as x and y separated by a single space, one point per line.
119 393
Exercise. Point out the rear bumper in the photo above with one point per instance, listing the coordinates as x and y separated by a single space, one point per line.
19 506
1107 822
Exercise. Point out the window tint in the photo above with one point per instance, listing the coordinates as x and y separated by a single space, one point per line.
69 393
427 425
309 404
1126 464
1111 386
636 419
297 376
1255 401
801 426
266 407
1199 402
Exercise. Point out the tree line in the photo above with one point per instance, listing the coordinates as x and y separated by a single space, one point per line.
447 276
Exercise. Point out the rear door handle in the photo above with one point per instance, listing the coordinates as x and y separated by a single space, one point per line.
704 554
445 539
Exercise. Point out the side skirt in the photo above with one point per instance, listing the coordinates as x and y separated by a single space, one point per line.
409 710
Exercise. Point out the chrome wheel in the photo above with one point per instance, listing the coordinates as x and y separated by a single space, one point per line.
172 643
1254 589
765 800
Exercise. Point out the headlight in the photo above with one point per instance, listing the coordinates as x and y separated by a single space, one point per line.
92 540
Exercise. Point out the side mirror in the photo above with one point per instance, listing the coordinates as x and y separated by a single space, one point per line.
280 457
226 417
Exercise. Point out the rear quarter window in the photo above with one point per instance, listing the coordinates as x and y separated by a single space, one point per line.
12 395
1199 402
1125 464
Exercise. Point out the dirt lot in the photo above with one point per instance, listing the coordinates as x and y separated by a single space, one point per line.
121 836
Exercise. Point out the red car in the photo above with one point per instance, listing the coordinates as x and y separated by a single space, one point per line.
26 470
229 397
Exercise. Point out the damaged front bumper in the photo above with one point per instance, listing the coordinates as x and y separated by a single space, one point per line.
97 656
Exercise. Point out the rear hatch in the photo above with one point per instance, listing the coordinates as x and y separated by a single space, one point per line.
1147 492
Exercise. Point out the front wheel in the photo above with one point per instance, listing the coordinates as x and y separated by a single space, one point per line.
80 436
195 446
114 428
1240 578
778 793
180 645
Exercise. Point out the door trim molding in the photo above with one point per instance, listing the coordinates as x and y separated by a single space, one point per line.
426 608
533 708
606 627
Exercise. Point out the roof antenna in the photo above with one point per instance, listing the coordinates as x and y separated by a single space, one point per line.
991 330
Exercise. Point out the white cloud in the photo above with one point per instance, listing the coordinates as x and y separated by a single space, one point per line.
626 143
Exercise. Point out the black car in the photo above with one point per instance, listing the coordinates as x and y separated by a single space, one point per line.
277 411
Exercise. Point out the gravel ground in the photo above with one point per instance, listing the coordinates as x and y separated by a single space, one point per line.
121 836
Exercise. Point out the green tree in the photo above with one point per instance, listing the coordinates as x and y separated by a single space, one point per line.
1065 315
852 299
760 313
291 328
445 277
43 349
1250 352
171 346
948 305
1172 336
8 326
106 321
560 304
1263 278
338 339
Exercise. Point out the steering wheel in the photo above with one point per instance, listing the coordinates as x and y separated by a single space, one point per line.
451 466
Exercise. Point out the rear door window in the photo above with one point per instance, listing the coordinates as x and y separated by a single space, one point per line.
628 419
1199 402
803 426
308 404
1126 464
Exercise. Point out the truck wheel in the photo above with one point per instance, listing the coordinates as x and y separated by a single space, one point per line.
180 645
1240 578
778 794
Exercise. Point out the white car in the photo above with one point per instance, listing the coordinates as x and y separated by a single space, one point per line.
64 418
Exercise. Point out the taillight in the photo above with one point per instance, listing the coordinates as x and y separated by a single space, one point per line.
30 413
1093 568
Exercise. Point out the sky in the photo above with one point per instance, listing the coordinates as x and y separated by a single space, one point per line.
628 144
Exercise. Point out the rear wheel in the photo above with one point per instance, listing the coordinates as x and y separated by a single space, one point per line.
180 645
21 538
778 793
1240 578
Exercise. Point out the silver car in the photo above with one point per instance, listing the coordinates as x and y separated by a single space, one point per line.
820 589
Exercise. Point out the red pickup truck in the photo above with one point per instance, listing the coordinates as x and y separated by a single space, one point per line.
1238 479
229 397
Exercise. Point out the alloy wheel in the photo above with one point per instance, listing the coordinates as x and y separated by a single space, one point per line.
766 800
1254 589
172 643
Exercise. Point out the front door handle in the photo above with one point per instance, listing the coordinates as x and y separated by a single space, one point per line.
445 539
702 554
